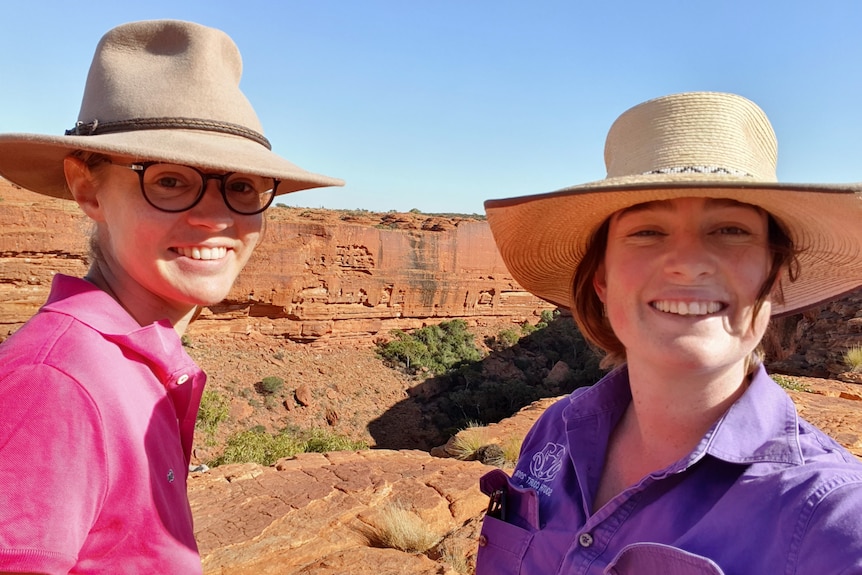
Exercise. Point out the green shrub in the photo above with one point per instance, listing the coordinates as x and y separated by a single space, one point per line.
213 410
185 340
438 348
547 317
853 358
405 350
488 396
508 337
788 382
258 447
323 441
493 400
504 339
270 385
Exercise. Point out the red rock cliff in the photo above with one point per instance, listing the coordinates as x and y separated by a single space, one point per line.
318 274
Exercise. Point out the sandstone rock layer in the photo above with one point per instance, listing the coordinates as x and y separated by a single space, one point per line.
317 275
322 514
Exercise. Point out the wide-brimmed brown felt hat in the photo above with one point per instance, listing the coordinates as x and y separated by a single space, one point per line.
697 144
160 90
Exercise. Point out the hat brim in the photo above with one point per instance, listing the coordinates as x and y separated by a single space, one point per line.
542 238
34 161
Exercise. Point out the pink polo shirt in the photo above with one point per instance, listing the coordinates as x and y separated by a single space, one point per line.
97 416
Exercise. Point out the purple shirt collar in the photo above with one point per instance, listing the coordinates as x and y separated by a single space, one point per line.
761 426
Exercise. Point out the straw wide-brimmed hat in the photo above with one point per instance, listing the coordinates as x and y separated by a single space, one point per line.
161 90
699 144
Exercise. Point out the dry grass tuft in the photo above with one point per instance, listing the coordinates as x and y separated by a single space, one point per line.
853 358
457 561
469 440
400 528
512 450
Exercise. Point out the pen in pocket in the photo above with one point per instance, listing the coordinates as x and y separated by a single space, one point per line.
497 504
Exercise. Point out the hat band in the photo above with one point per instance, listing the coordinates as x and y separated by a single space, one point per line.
700 170
96 128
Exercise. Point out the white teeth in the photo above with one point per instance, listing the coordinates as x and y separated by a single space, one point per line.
203 253
688 308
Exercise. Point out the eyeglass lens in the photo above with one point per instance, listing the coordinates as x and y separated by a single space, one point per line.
176 188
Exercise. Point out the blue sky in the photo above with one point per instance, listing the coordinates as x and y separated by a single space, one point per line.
439 105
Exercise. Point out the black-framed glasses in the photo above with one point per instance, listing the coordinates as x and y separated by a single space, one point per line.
177 188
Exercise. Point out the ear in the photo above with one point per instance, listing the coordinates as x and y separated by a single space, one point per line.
600 282
82 184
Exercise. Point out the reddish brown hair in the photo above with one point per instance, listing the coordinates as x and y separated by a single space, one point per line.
588 309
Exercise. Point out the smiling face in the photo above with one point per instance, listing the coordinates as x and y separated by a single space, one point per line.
680 281
161 264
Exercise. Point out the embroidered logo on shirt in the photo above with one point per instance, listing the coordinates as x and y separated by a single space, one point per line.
170 475
547 463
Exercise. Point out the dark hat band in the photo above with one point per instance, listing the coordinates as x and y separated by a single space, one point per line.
96 127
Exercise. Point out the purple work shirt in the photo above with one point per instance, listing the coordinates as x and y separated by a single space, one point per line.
96 421
764 492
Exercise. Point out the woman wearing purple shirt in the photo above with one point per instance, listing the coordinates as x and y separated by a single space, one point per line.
686 457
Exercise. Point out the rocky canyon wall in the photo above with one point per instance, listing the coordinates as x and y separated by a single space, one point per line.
324 276
317 275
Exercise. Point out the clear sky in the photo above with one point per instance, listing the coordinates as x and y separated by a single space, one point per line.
439 105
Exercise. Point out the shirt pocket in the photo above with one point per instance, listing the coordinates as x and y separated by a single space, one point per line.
501 548
505 537
658 559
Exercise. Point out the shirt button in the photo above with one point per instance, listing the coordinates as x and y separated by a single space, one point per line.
482 540
182 379
585 539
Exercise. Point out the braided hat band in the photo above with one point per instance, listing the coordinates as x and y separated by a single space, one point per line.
696 144
95 127
165 91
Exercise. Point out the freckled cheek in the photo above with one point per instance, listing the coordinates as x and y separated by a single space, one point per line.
618 307
753 278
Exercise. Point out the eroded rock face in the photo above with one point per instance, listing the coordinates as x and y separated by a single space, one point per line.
320 514
813 343
317 275
323 514
309 281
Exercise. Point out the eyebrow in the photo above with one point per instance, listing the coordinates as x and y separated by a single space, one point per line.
668 206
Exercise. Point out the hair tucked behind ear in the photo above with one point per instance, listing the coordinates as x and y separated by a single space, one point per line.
92 159
588 309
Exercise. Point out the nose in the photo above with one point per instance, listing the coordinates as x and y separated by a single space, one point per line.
211 211
688 256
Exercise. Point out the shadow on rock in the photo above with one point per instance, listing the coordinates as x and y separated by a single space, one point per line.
548 362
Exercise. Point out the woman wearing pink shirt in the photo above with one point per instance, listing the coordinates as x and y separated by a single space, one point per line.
99 399
686 458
